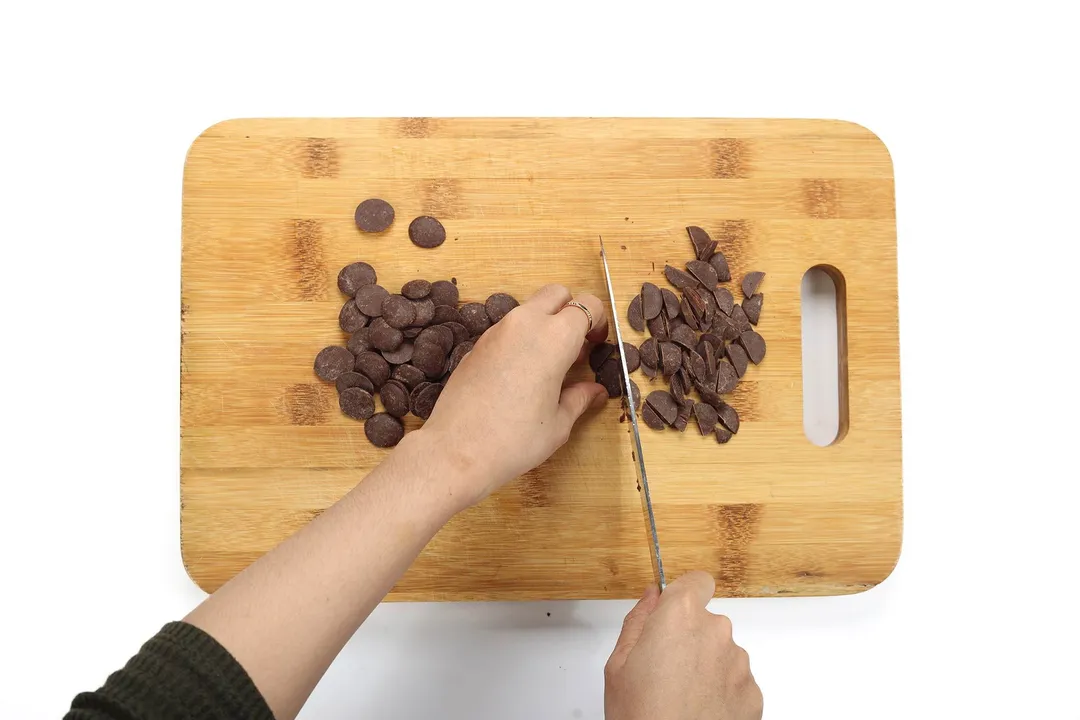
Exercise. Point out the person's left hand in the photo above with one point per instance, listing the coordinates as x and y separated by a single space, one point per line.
505 409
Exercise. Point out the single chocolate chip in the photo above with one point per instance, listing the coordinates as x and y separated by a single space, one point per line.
412 331
726 378
686 408
699 239
360 341
739 358
671 303
370 298
716 341
353 379
709 360
414 394
445 314
458 331
695 367
355 276
687 312
499 306
408 376
374 215
599 355
664 405
650 353
357 403
751 281
426 399
711 308
635 315
696 298
384 430
427 232
704 347
658 327
739 319
635 392
458 354
703 272
724 300
709 395
728 417
679 278
374 367
633 357
377 323
402 354
395 399
706 417
649 372
670 357
387 338
398 311
652 302
475 318
754 345
429 357
725 327
652 418
678 389
438 334
416 289
350 319
722 434
752 307
719 264
610 376
684 336
425 312
333 361
444 293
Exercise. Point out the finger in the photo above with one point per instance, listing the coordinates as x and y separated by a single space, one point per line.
634 625
577 322
696 587
550 298
575 399
582 353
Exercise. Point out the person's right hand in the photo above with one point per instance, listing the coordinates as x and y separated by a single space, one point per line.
676 661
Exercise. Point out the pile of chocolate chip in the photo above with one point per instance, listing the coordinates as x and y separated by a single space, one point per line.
702 341
402 347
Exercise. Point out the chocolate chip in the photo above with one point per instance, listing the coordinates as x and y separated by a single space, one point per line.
754 345
670 357
635 393
499 305
696 298
374 215
686 407
402 354
649 372
679 278
704 347
706 417
458 354
709 395
708 364
695 367
725 326
357 403
444 293
650 353
652 418
425 400
703 272
377 323
398 311
333 361
632 356
687 312
412 331
635 315
658 327
445 314
599 355
439 335
726 377
370 298
416 289
739 358
458 331
728 417
395 399
360 341
678 389
652 302
427 232
374 367
387 338
739 319
700 240
671 303
720 265
355 276
384 430
350 319
664 405
408 376
425 312
711 309
722 434
475 318
353 379
429 357
414 394
610 376
724 300
752 307
684 336
751 282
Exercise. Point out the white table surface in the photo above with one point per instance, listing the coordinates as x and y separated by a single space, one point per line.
101 101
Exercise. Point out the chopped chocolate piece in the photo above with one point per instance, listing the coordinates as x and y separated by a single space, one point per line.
754 345
652 302
706 417
751 282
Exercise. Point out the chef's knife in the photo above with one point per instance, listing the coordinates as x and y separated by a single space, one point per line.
635 438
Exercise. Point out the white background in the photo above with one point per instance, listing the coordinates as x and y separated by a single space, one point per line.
100 101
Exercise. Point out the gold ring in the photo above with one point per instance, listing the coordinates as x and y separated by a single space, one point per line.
582 308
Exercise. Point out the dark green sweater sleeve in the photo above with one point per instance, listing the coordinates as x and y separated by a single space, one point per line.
180 673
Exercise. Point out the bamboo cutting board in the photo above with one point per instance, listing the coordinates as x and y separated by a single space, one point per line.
268 222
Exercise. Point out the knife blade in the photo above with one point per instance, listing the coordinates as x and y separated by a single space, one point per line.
635 439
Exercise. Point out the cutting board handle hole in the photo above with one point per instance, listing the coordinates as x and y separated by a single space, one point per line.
824 355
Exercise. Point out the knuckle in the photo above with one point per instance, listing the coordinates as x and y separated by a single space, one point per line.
723 626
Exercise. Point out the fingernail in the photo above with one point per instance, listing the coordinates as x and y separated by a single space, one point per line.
599 399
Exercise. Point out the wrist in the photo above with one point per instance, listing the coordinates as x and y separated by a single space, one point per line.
446 477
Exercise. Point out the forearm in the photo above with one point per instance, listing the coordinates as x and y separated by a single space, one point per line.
288 615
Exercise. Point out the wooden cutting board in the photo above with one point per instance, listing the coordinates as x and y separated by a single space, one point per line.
268 222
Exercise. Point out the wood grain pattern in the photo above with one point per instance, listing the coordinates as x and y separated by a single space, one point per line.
267 223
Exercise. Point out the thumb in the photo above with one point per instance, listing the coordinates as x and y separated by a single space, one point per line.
576 399
634 625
